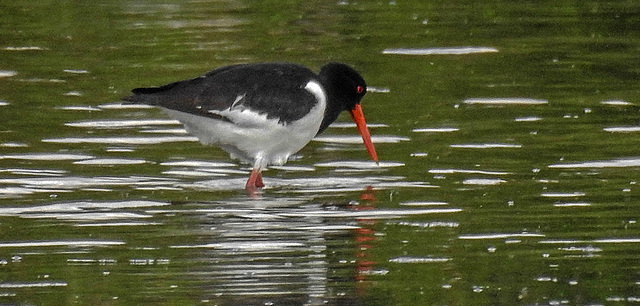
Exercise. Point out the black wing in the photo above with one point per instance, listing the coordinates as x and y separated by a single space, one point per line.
274 89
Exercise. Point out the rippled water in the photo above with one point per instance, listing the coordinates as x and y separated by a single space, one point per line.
506 133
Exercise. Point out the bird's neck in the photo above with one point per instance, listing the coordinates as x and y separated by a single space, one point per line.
333 108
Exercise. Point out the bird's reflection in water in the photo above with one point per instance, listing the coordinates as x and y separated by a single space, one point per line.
364 237
286 253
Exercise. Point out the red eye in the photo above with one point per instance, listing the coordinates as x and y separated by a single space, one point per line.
359 89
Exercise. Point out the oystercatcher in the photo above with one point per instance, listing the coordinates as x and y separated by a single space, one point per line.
262 113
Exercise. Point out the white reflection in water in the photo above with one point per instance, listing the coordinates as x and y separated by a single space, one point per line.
320 185
46 156
435 130
352 139
440 51
498 236
198 163
614 163
122 140
115 224
119 149
527 119
574 204
78 207
378 89
483 181
344 125
562 194
76 71
42 80
7 73
124 106
88 216
581 249
192 173
34 172
91 243
359 164
73 93
413 260
180 131
467 171
505 101
424 203
70 183
622 129
374 214
9 192
86 211
25 48
616 102
218 171
13 145
113 124
79 108
87 261
605 240
293 168
248 246
432 224
32 285
110 161
486 146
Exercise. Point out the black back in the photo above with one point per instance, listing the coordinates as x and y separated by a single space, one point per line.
274 89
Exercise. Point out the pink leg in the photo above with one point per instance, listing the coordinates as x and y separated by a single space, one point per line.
259 182
254 181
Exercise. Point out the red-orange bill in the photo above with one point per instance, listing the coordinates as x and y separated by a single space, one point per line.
358 117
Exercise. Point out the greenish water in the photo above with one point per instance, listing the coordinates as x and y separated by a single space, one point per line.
507 133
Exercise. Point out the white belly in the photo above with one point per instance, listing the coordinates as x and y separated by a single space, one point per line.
253 138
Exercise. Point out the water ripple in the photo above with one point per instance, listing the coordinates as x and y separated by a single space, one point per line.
616 103
505 101
355 139
413 260
465 171
562 194
111 161
440 51
483 181
435 130
498 236
114 124
7 73
622 129
32 285
83 243
46 156
486 146
614 163
359 164
122 140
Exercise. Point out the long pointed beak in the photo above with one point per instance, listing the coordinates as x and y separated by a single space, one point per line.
358 117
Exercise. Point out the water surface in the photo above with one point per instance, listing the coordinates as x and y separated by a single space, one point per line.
506 133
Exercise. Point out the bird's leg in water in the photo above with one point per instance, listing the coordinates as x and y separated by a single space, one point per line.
255 180
259 182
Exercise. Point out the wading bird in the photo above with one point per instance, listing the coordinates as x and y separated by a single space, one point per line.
262 113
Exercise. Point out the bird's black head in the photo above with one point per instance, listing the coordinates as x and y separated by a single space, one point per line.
344 84
345 89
